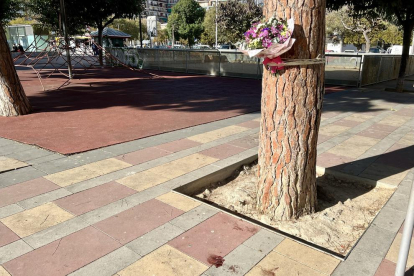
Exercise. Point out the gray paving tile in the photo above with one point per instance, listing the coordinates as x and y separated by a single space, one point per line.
154 239
237 262
389 219
10 210
264 241
13 250
47 158
376 241
6 142
56 232
43 198
20 175
398 202
193 217
57 165
91 156
109 264
30 154
123 148
359 263
14 148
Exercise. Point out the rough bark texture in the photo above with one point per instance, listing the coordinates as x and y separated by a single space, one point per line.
408 30
13 100
291 110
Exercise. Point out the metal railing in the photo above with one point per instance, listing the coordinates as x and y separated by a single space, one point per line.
340 69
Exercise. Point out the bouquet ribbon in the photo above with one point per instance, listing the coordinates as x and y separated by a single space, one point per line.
277 60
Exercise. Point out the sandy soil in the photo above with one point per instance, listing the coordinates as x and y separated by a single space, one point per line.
345 209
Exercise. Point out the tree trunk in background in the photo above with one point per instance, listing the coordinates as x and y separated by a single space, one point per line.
367 42
291 110
13 100
100 30
408 30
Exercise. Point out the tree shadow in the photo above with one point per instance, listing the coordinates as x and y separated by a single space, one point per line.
374 168
134 89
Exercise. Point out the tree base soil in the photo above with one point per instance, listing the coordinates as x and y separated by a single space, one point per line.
345 209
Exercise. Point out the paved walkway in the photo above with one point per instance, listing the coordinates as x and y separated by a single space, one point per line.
112 211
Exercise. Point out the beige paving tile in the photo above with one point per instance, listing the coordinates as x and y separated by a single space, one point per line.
194 162
395 120
7 163
359 117
384 173
36 219
277 264
72 176
258 119
3 272
308 256
217 134
332 130
407 140
143 180
179 201
354 146
107 166
152 177
184 165
165 261
392 254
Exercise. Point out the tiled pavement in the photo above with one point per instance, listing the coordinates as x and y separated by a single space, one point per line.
111 211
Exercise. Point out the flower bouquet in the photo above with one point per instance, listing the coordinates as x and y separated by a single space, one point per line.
269 40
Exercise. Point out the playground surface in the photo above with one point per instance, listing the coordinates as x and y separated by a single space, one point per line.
114 211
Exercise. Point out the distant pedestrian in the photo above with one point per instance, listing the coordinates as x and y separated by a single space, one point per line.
14 48
95 49
20 49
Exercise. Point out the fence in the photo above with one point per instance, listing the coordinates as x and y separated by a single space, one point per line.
340 69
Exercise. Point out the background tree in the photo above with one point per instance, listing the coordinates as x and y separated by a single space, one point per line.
368 25
131 27
291 110
96 13
13 100
209 25
235 18
399 12
186 21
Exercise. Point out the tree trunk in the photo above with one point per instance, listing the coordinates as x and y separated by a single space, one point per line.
367 41
100 30
408 30
13 100
291 110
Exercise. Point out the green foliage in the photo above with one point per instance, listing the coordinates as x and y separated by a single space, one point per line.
235 18
96 13
209 24
8 10
186 20
131 27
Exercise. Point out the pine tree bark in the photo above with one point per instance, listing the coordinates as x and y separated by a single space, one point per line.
13 100
291 110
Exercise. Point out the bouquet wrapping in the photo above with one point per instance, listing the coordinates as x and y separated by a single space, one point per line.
269 40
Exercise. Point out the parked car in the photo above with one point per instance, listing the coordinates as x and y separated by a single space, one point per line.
226 47
202 47
376 50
